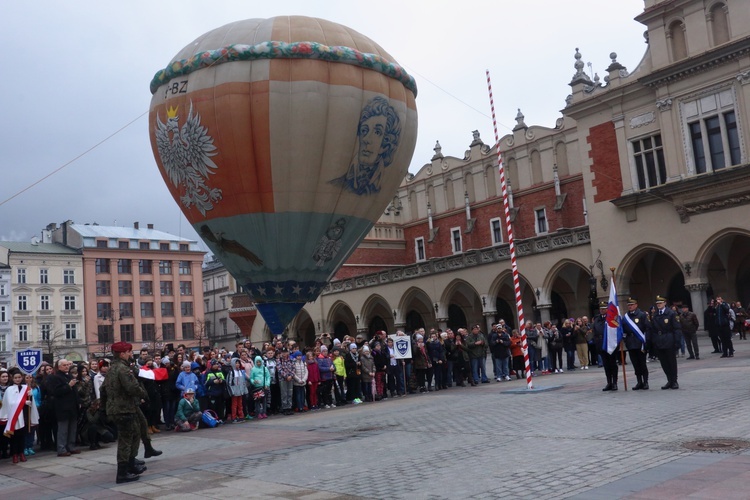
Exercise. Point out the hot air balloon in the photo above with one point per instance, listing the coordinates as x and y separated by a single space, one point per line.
283 140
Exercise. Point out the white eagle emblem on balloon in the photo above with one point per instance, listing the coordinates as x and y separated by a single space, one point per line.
186 153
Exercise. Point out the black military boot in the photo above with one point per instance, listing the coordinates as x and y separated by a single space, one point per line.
149 450
639 385
123 476
645 384
138 462
133 468
607 387
614 385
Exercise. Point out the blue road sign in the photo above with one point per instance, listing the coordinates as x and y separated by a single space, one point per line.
29 360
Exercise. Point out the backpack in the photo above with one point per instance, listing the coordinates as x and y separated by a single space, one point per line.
210 418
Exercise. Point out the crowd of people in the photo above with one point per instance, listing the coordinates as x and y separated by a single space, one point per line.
65 407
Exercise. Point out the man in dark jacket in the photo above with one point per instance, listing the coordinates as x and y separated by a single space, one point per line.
635 332
476 343
124 394
666 338
689 323
499 344
709 323
724 327
65 399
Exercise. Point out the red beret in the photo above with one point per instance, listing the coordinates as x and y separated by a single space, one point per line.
122 347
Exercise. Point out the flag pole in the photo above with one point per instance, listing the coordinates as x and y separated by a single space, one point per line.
511 244
622 348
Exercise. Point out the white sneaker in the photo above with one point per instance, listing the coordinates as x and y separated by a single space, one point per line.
498 379
507 379
333 406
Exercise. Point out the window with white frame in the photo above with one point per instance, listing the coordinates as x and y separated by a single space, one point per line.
70 303
3 314
21 275
419 249
44 276
69 277
3 343
713 136
496 230
648 162
71 331
45 331
2 289
23 303
44 302
23 333
456 240
540 221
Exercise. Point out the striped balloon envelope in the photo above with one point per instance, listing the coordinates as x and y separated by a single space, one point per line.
283 140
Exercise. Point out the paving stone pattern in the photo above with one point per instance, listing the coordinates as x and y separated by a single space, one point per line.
483 442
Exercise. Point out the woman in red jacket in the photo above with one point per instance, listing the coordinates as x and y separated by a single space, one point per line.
516 351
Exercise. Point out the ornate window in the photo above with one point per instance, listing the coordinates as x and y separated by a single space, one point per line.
713 138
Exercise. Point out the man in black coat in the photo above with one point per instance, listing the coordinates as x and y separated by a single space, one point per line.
66 404
724 327
666 338
635 332
709 323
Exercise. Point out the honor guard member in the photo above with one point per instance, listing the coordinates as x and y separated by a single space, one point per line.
124 393
608 360
666 339
635 329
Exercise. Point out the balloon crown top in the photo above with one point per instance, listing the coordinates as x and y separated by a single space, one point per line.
171 112
247 48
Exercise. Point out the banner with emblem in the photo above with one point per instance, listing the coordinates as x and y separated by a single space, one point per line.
613 330
402 346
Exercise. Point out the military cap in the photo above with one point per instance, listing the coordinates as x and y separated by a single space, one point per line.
122 347
632 300
603 305
660 298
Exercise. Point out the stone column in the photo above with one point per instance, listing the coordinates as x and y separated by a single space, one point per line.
698 298
489 318
544 312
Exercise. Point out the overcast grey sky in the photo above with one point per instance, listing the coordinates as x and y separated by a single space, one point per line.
77 72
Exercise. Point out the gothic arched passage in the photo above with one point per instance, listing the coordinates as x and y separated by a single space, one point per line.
414 320
456 317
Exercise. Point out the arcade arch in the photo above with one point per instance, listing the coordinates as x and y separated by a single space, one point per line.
342 320
460 305
648 271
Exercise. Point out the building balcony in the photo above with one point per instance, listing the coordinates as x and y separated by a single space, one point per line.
718 190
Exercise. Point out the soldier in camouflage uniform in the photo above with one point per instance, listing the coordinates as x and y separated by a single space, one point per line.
124 393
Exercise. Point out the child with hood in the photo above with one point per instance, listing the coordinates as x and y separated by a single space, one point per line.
326 371
313 380
260 377
300 381
237 383
215 389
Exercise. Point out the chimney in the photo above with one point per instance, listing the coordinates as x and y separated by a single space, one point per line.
135 225
150 226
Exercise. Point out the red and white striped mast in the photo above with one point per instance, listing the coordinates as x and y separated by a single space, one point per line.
509 229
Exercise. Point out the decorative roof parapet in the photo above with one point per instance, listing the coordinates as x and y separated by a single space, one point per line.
580 76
